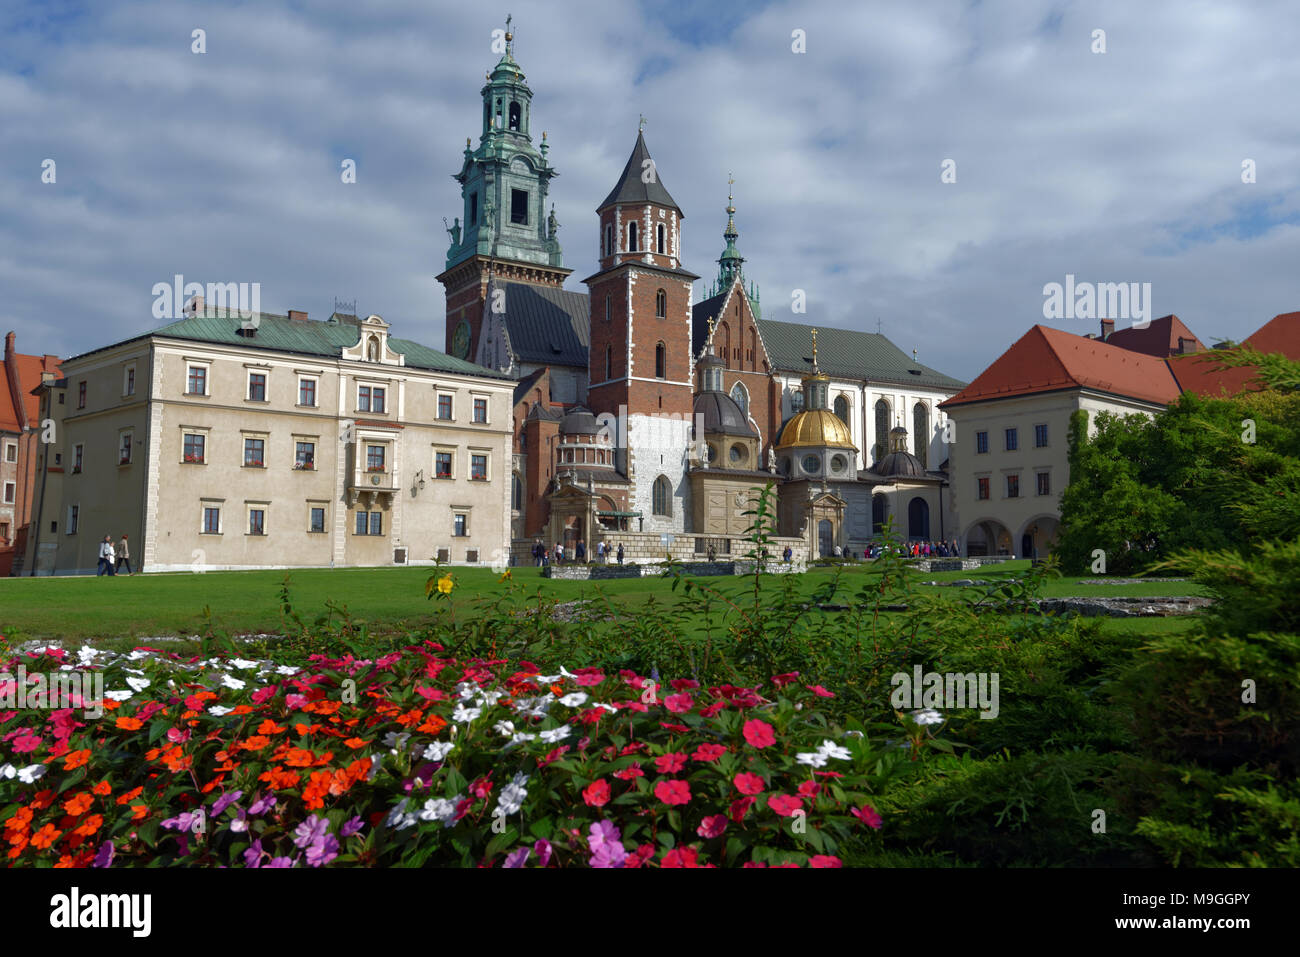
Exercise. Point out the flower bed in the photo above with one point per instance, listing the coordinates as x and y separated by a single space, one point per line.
418 758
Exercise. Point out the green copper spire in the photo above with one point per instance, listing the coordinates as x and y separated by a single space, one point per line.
730 263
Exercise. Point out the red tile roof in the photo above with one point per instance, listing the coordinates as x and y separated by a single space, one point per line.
1049 360
29 369
1160 338
1199 373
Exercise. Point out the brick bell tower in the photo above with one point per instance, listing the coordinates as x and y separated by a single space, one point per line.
640 363
503 233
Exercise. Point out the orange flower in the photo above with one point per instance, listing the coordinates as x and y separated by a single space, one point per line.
433 725
79 804
103 789
213 783
270 727
279 778
90 825
411 717
344 778
355 743
130 724
322 707
317 787
138 812
45 836
302 730
42 799
130 795
255 743
65 861
75 759
22 817
19 836
16 852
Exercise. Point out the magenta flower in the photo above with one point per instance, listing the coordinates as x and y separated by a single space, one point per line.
712 826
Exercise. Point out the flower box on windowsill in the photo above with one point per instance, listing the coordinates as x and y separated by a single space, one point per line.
194 460
253 464
124 461
304 467
376 468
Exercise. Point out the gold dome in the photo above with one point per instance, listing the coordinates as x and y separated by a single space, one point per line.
816 428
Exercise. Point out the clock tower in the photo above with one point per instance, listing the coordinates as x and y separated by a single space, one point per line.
505 233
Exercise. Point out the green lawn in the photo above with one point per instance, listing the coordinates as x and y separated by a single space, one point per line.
388 599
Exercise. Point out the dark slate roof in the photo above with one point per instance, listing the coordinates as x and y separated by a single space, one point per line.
903 464
547 325
701 313
527 382
846 354
631 189
721 414
579 421
305 337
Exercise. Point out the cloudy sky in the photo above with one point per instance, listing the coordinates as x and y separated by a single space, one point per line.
225 166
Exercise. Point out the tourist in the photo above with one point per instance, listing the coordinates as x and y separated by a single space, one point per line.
580 553
620 553
123 556
788 554
106 557
559 553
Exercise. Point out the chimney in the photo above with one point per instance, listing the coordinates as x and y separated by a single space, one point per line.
9 344
1107 327
297 316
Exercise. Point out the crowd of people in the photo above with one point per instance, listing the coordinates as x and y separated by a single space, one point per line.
114 558
605 551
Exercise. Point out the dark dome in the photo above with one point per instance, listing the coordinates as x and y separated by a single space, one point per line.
721 414
902 464
579 422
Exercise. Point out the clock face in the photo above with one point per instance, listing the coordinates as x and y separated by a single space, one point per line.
460 341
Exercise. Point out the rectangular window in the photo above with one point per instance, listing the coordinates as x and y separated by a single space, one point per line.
257 386
194 448
256 521
317 519
473 210
981 442
460 526
81 394
304 456
478 468
374 458
363 398
307 392
211 520
376 523
1044 483
519 207
255 453
4 532
76 458
10 488
197 382
1013 486
983 488
444 407
377 397
124 449
128 381
1012 440
442 465
1040 436
11 452
74 518
480 410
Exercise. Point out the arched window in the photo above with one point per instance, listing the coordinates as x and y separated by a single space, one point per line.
882 429
660 355
514 116
661 303
842 408
741 398
663 496
918 519
609 240
631 236
877 514
921 432
609 362
516 493
660 245
609 307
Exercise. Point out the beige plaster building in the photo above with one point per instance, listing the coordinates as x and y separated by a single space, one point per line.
274 442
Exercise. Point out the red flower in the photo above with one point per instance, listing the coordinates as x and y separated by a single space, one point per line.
819 691
681 857
809 789
754 864
709 752
712 826
747 783
740 808
672 791
824 860
679 703
782 680
867 815
553 756
713 709
759 733
784 804
680 728
596 794
682 684
670 763
589 679
627 774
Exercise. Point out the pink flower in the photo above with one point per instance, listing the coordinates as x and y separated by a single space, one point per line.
680 728
824 860
819 691
627 774
713 709
670 763
741 807
712 826
709 752
754 864
682 684
759 733
784 804
679 703
596 794
747 783
588 678
809 789
26 742
867 815
681 857
782 680
672 791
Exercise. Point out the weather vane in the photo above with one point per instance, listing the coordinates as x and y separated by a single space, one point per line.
641 127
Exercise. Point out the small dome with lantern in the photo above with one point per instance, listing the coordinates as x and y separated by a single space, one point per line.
816 426
899 463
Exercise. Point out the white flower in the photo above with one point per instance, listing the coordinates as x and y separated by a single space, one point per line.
29 774
286 670
512 796
86 653
230 682
219 710
376 762
574 700
608 707
556 734
119 695
438 751
520 736
532 707
441 809
814 759
489 698
134 671
139 684
462 713
547 679
833 750
467 690
242 664
7 771
396 741
137 655
399 818
566 673
504 727
927 716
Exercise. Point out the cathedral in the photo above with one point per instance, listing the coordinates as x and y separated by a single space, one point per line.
643 416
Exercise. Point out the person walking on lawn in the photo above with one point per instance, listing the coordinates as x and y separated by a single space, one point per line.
123 556
105 557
